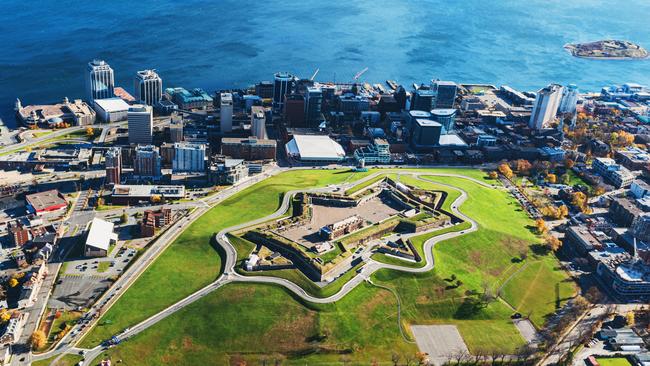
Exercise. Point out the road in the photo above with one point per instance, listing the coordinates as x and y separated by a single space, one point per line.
229 275
148 257
57 133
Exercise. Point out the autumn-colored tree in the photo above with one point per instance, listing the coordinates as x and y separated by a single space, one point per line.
493 174
553 243
505 170
13 282
578 199
38 339
156 198
564 211
551 178
540 224
599 191
90 131
5 315
568 163
629 317
523 166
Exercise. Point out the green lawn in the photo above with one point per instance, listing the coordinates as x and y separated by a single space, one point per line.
265 322
103 266
613 361
540 288
363 185
191 262
66 360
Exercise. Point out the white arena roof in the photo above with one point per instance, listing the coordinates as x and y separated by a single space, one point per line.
112 104
101 234
314 148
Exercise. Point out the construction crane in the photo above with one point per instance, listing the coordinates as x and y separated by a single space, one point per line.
314 75
358 75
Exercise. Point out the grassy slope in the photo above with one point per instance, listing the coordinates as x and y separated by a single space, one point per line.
191 262
494 249
262 321
66 360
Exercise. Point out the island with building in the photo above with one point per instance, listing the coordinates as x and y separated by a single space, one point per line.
609 48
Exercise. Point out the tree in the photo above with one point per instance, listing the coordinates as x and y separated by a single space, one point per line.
90 132
551 178
540 224
523 166
565 179
124 218
493 174
553 243
13 282
505 170
568 163
564 211
38 339
593 295
5 315
599 191
629 317
156 198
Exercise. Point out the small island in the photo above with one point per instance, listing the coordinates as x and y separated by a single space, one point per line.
610 49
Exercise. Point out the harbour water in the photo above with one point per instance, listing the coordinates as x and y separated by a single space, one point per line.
45 45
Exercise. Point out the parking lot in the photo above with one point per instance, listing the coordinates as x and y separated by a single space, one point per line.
438 341
84 280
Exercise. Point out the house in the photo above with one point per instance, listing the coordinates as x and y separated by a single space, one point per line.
13 330
99 239
153 220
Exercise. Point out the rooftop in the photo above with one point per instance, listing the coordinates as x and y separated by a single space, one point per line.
112 104
100 234
43 200
148 191
315 147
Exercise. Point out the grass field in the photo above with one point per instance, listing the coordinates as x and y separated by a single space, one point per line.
264 322
613 361
66 360
191 262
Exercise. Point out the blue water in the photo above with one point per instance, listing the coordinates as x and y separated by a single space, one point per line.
45 45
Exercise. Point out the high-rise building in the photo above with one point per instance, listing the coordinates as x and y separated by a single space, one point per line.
148 87
445 93
113 163
264 89
282 86
100 81
313 104
545 107
189 157
140 119
176 129
446 117
258 122
226 112
569 101
426 134
422 100
147 161
294 110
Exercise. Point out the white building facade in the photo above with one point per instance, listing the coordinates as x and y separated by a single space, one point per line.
100 80
546 106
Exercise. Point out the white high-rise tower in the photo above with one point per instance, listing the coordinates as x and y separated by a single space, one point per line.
148 87
546 106
100 81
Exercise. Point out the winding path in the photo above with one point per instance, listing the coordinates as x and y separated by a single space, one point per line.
230 275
